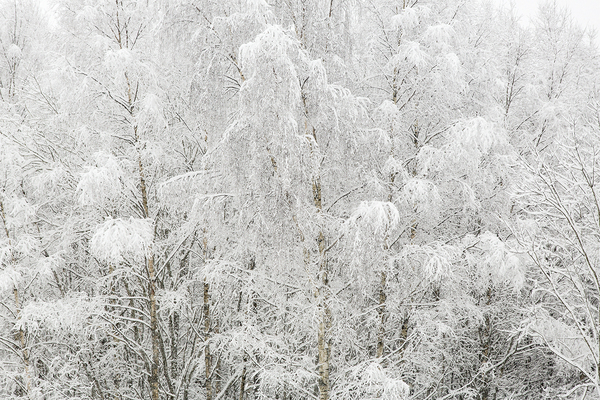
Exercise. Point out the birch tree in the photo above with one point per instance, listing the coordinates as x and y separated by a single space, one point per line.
560 245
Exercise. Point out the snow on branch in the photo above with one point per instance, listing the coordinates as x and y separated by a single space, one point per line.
439 35
369 380
70 314
151 115
101 182
436 259
118 238
496 261
19 212
421 194
270 49
412 53
367 231
470 142
9 276
375 217
407 19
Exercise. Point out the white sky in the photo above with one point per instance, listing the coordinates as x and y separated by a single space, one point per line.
585 12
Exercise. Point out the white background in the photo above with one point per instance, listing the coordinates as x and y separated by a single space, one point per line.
585 12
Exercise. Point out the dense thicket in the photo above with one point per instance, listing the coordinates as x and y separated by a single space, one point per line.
384 199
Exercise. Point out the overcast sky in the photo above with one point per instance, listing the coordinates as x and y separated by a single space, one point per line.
586 12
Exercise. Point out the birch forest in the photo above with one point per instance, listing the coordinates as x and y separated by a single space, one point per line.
298 200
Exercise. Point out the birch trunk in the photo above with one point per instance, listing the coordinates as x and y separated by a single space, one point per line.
243 380
322 292
122 39
206 314
207 355
20 336
323 340
381 312
153 378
